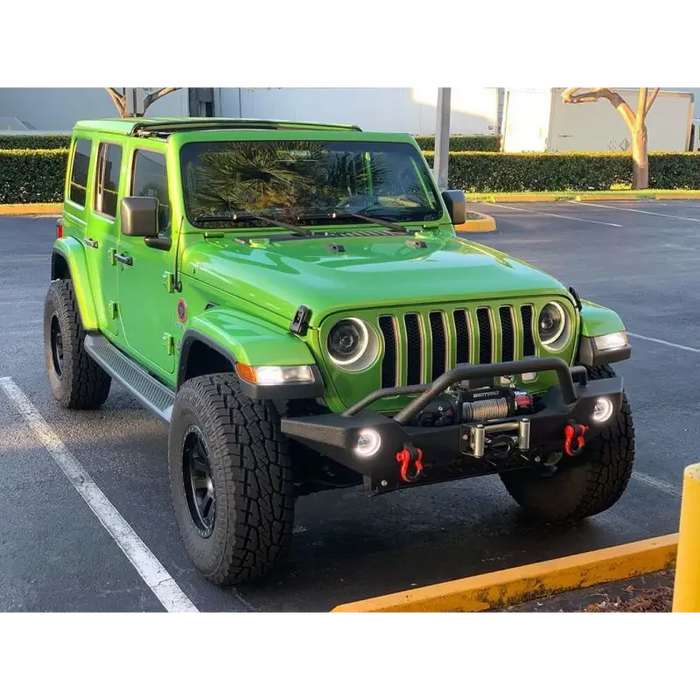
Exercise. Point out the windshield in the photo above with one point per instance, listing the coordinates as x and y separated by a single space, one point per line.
309 181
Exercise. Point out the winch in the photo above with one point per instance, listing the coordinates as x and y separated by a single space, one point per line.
462 404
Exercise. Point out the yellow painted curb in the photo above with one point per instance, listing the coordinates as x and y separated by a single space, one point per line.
612 197
484 224
30 209
511 586
516 198
622 197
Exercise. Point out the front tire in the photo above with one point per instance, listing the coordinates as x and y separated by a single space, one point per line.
231 480
76 380
584 485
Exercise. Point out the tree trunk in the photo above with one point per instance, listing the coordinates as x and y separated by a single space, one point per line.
640 158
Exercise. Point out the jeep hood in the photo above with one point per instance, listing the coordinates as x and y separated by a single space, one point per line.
368 272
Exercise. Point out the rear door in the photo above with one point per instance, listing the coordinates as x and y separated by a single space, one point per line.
102 231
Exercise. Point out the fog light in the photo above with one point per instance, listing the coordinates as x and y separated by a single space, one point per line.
603 410
368 443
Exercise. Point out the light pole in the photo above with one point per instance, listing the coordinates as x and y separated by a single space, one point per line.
442 136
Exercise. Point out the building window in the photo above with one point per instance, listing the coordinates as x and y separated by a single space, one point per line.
109 163
150 179
79 171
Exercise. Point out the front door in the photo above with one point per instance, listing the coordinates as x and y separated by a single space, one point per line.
147 308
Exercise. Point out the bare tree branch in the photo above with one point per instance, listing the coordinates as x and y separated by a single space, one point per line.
119 99
641 108
615 99
651 99
150 99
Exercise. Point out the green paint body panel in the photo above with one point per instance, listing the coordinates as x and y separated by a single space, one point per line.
253 290
599 320
252 341
74 254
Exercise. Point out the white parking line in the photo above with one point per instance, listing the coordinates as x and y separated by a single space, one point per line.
663 342
664 486
558 216
143 560
638 211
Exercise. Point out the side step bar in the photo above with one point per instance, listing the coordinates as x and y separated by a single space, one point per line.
154 395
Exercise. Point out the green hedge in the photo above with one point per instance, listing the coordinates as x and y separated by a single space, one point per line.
38 175
32 176
46 142
463 143
555 172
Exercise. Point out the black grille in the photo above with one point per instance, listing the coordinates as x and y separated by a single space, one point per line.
439 343
528 340
507 334
414 349
483 317
462 336
389 361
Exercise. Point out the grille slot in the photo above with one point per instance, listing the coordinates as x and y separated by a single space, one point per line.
439 343
505 332
390 359
414 349
528 338
462 336
483 317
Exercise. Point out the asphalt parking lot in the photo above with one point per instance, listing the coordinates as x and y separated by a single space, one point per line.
640 258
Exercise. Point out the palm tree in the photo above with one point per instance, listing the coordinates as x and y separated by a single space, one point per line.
257 177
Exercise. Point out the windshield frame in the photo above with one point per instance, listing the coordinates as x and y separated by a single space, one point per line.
368 140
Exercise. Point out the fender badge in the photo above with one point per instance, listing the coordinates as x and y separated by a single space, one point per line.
181 310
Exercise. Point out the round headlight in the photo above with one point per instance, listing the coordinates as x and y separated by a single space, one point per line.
551 323
352 344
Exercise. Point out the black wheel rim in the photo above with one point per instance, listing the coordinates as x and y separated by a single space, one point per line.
56 345
199 482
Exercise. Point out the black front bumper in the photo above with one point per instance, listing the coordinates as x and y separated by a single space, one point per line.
455 451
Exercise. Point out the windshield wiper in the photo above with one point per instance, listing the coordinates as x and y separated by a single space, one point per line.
249 216
371 219
356 215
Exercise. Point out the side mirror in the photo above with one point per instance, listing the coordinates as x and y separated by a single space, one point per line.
456 204
139 216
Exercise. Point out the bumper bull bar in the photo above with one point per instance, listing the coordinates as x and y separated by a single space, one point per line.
461 449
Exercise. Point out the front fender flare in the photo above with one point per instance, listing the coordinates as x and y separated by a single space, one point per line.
251 341
598 320
73 253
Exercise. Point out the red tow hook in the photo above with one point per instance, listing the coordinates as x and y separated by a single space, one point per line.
574 431
404 458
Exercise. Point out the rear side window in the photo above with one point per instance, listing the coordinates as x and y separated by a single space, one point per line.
150 179
79 172
109 163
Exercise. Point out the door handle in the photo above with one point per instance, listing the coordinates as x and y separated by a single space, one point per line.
124 259
91 242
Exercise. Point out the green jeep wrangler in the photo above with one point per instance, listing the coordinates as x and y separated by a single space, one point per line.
294 301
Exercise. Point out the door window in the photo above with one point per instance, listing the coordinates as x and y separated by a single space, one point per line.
109 162
150 179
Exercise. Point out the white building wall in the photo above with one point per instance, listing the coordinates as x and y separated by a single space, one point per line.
57 109
410 110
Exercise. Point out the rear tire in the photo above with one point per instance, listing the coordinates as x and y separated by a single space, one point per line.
587 484
231 480
76 380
